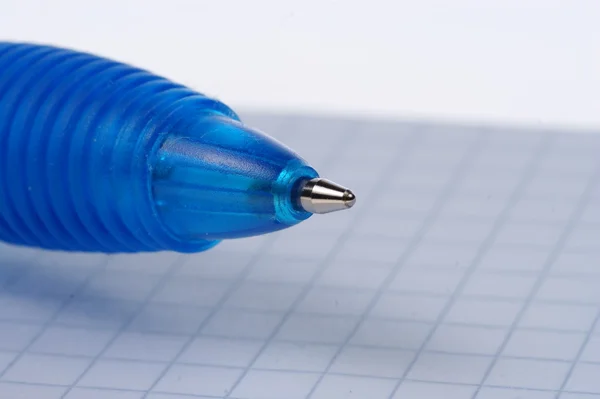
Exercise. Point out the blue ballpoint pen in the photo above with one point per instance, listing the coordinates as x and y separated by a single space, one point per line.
98 156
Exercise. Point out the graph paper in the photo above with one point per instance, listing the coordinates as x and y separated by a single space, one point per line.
469 268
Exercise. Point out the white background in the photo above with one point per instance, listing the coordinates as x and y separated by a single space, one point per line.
534 62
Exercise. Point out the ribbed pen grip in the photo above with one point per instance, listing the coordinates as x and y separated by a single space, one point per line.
76 132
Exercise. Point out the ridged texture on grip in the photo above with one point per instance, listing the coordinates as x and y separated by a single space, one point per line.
75 131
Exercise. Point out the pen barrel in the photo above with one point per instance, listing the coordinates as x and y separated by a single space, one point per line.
76 136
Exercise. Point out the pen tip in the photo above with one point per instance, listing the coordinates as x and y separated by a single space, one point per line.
349 199
324 196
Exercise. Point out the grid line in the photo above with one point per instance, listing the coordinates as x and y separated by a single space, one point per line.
577 360
359 346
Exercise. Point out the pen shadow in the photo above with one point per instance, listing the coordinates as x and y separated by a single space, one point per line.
37 287
108 292
34 292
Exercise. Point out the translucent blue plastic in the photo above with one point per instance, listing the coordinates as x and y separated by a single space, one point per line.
98 156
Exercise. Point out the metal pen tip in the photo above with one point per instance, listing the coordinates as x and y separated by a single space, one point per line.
324 196
349 199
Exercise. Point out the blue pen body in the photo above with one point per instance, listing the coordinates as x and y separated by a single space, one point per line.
98 156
